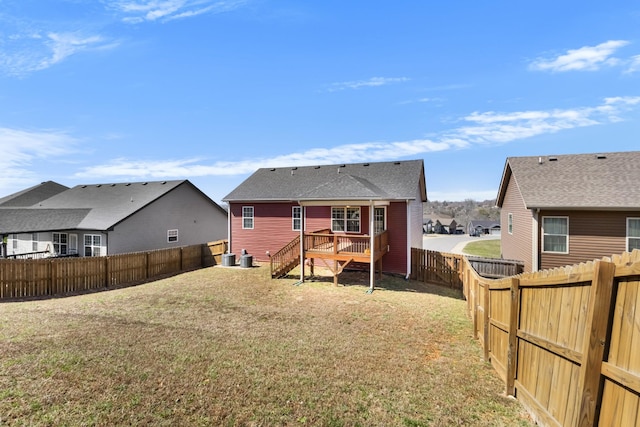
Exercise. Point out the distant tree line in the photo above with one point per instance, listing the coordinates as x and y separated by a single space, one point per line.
462 212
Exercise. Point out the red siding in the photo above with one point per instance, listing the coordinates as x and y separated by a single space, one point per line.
396 260
272 230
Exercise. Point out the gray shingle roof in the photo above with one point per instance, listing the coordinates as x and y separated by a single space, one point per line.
604 181
32 195
356 181
109 203
26 220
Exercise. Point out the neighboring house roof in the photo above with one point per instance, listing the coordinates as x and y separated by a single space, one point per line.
357 181
603 181
27 220
32 195
88 207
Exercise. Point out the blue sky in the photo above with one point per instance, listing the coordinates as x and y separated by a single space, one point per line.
98 91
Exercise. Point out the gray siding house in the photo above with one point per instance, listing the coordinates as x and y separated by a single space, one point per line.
566 209
107 219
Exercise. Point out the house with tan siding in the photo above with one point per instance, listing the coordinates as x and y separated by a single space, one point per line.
566 209
346 214
105 219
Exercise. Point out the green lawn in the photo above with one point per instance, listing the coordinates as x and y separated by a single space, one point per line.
483 248
231 347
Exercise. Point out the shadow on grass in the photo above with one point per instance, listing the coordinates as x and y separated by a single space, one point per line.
389 282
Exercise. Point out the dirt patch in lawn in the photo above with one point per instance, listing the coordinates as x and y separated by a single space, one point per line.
227 346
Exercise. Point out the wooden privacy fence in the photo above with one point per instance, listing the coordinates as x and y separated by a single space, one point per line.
437 267
495 268
25 278
565 341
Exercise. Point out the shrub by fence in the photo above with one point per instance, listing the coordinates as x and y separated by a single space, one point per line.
22 278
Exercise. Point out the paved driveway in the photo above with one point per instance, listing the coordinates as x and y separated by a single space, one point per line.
451 243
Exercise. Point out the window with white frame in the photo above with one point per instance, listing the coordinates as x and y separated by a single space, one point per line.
379 220
633 234
247 217
345 219
92 244
296 218
14 241
172 236
34 242
555 234
60 243
510 223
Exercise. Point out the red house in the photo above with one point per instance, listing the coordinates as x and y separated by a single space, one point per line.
344 214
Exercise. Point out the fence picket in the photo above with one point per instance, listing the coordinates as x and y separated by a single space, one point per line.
26 278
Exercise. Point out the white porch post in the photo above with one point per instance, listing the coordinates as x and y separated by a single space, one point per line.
302 214
372 234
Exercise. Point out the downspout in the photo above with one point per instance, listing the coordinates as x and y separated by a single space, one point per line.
535 248
229 229
302 214
372 242
408 242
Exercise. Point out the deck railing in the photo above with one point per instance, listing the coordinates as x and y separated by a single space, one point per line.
324 242
344 243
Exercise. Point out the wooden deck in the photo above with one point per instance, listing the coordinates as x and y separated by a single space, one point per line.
344 247
335 251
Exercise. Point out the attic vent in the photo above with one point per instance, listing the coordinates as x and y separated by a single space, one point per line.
553 159
317 167
84 186
127 184
294 168
164 182
99 185
343 166
366 164
601 156
144 183
396 163
272 169
113 185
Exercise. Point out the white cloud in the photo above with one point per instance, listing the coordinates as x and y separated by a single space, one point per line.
136 11
587 58
20 148
372 82
27 53
485 128
633 65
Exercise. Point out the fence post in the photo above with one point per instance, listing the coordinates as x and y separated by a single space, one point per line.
485 314
597 321
512 355
474 306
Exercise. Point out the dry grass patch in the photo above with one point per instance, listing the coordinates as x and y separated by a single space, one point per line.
224 346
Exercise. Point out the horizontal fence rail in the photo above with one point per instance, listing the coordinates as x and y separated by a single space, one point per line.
566 341
29 278
437 267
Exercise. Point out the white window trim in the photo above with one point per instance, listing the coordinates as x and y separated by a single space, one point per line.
346 219
53 241
384 208
252 217
294 217
92 245
510 223
627 233
173 233
543 235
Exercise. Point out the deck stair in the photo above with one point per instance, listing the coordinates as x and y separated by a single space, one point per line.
286 259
